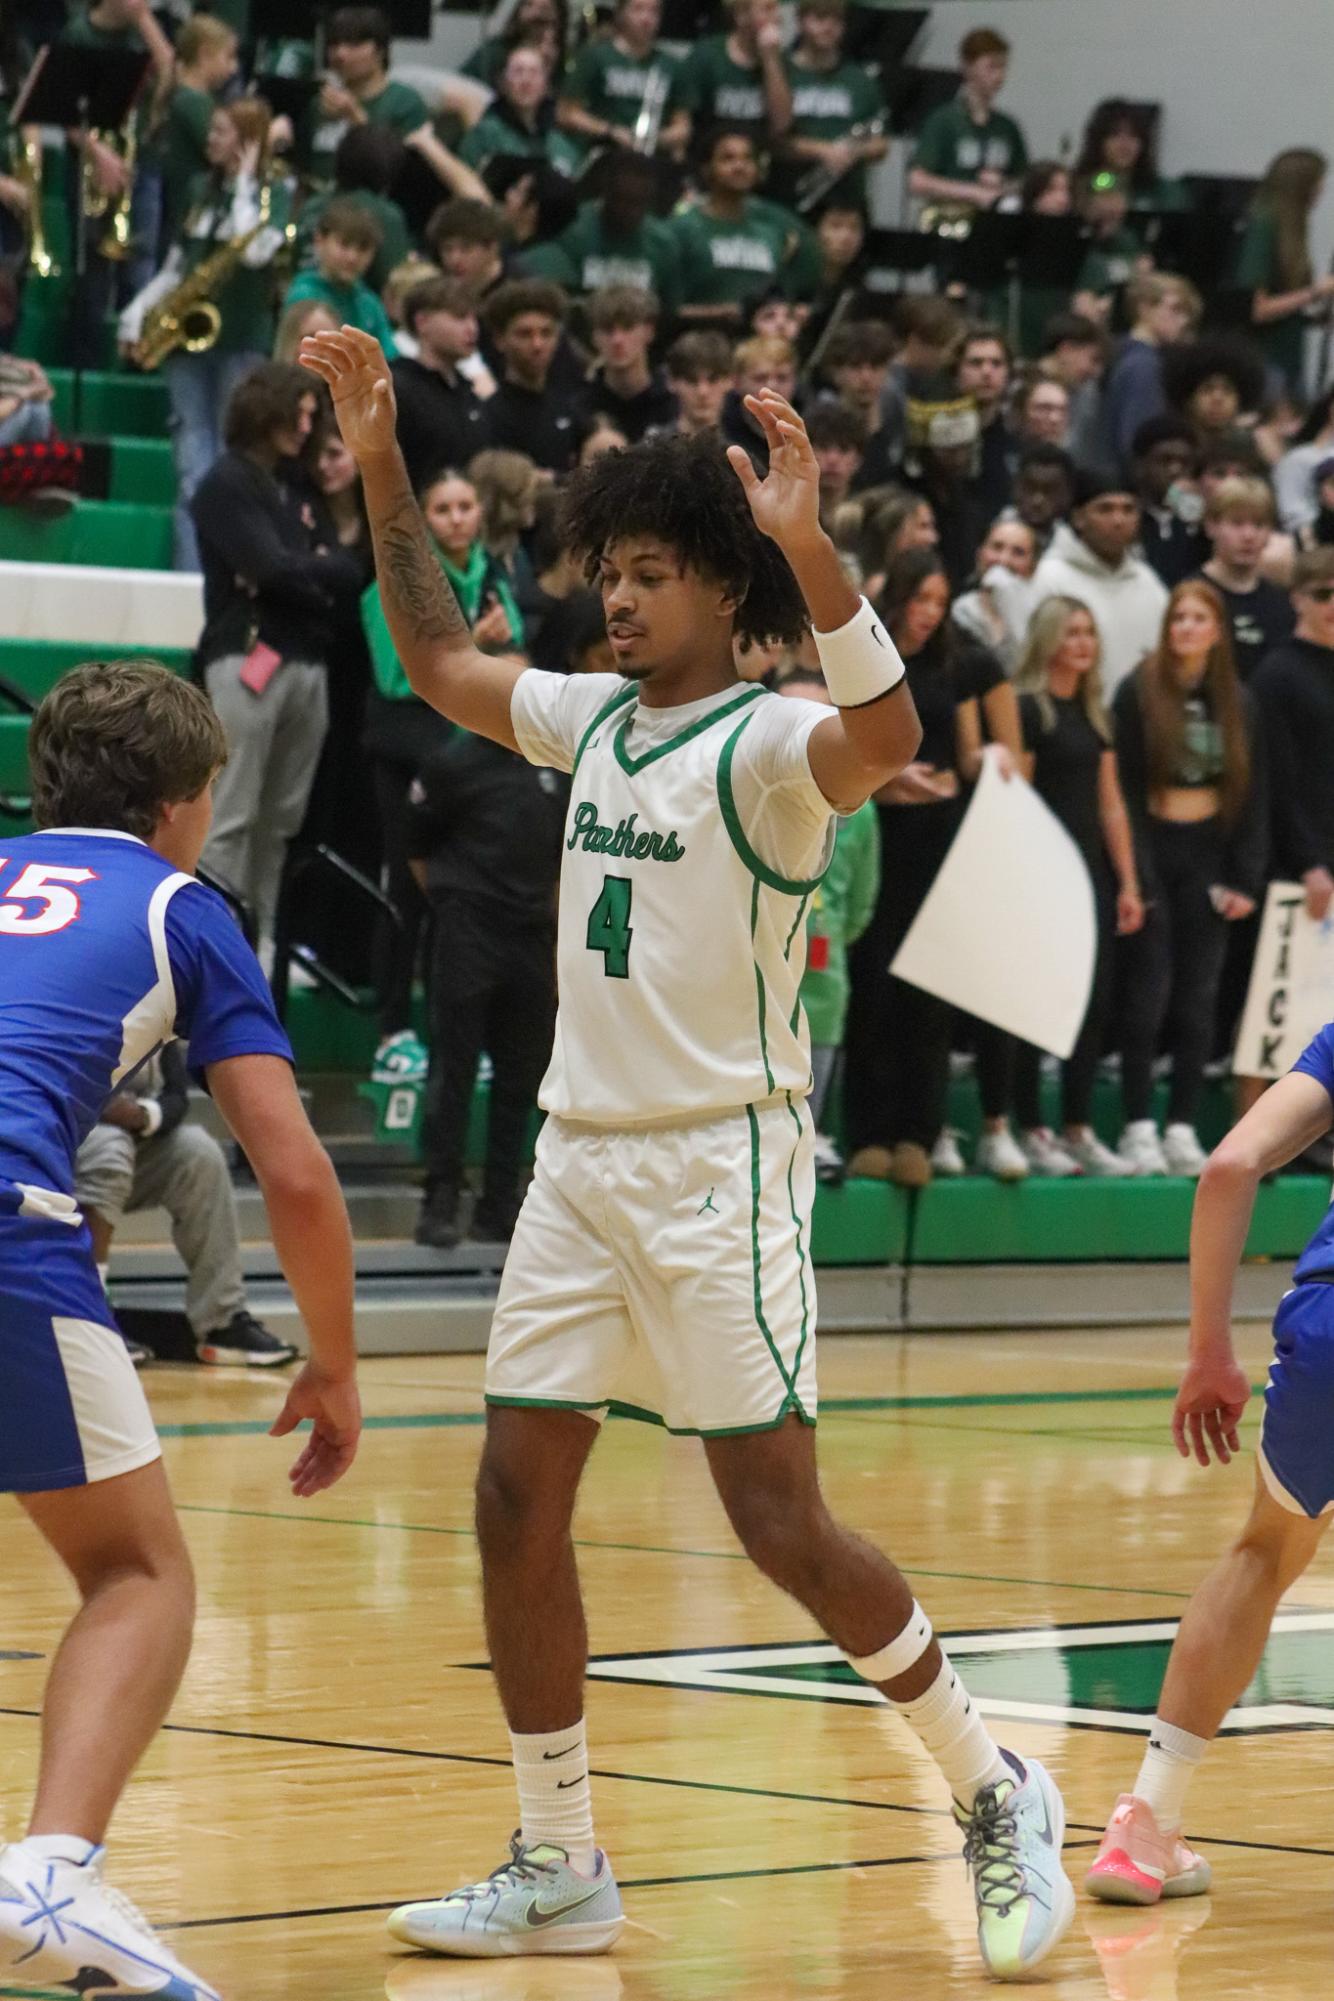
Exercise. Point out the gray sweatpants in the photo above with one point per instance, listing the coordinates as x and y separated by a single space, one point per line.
259 801
185 1173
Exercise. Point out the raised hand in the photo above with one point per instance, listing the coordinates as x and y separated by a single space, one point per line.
786 502
353 365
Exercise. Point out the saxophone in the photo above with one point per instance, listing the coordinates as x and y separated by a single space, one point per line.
188 317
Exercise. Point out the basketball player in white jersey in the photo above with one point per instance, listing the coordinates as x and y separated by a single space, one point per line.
661 1263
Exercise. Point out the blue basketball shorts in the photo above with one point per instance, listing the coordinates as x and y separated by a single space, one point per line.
1297 1438
72 1410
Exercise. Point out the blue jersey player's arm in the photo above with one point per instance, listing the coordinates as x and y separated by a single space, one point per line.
237 1044
1290 1116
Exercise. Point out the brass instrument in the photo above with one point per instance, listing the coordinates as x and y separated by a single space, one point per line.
819 180
648 125
27 162
951 220
188 318
115 242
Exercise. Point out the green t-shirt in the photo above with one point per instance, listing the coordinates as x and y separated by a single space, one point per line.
248 300
181 145
839 911
487 60
495 136
607 83
728 263
353 305
952 145
397 241
718 91
825 103
1281 342
398 106
1110 263
585 258
480 574
79 33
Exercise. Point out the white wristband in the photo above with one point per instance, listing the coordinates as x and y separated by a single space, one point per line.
860 660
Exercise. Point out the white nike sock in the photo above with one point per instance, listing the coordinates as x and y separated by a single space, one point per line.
951 1728
1169 1766
71 1848
555 1798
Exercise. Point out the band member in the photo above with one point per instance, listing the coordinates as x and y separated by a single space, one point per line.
833 103
624 90
236 206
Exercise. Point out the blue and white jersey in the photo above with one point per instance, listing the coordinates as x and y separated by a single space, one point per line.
106 953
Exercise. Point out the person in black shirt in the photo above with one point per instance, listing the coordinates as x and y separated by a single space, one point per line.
838 439
1239 518
898 1036
273 595
982 372
1294 692
623 386
485 835
526 414
941 465
1165 459
1071 765
441 421
1044 489
1188 755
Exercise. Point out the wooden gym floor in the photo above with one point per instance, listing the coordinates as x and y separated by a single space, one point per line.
335 1749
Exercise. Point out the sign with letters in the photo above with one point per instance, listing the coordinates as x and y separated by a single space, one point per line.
1291 995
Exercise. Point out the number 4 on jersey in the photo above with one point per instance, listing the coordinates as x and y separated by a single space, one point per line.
609 928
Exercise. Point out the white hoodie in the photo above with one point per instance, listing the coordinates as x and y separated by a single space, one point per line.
1127 603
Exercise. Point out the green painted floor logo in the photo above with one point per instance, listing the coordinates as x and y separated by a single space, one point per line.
1104 1677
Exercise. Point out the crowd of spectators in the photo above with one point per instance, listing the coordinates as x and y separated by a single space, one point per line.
1098 518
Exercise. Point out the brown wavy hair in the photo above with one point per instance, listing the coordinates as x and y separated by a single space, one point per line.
116 741
1162 703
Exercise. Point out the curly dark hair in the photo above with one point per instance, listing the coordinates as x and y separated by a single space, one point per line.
683 492
1187 366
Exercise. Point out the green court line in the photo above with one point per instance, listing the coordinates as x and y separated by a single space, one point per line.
659 1549
831 1407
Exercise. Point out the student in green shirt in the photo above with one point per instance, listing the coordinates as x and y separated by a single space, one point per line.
238 194
520 122
366 165
1274 261
836 916
535 23
206 60
1119 139
734 246
347 237
740 79
1115 254
968 153
359 92
603 95
829 98
617 240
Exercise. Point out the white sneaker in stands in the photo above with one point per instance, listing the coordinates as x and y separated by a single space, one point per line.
1047 1155
1141 1146
1182 1151
946 1157
1097 1160
999 1156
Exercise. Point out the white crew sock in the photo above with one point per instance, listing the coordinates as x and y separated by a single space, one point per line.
951 1728
555 1799
71 1848
1169 1766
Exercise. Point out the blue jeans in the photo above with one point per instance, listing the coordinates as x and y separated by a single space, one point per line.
198 388
29 425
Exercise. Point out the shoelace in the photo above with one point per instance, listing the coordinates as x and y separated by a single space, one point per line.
991 1851
519 1869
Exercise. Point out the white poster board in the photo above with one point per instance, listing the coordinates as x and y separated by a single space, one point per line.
1008 931
1291 995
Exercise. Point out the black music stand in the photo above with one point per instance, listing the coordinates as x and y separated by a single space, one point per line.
80 90
1201 247
888 257
1007 252
913 93
881 37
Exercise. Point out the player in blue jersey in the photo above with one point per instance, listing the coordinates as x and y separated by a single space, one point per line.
109 948
1222 1636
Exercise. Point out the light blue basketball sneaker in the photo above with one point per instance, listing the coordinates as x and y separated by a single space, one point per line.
533 1903
62 1926
1012 1845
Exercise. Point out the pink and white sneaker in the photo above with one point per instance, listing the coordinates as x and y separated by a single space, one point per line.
1137 1863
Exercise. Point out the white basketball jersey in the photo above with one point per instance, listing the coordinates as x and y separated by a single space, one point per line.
680 951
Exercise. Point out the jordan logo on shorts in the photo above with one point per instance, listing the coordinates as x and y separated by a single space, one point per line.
708 1204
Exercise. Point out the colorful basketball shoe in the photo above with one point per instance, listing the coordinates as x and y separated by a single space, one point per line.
535 1902
61 1925
1137 1863
1012 1844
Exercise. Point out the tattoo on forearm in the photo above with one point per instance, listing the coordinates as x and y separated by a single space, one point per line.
417 595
